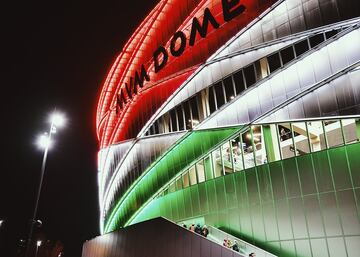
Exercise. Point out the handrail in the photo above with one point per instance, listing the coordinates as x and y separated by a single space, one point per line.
217 236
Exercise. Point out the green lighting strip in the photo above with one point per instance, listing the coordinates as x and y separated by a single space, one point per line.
155 177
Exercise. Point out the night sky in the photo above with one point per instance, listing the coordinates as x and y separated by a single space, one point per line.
55 54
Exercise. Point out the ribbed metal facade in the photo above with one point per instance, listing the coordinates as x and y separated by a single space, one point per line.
257 135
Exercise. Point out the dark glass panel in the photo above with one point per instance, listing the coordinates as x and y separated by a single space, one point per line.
249 73
173 120
274 62
220 98
151 130
331 33
229 89
180 117
316 39
258 70
239 82
156 127
211 100
301 47
187 115
167 122
194 111
287 55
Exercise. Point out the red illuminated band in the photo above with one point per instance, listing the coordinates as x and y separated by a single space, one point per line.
230 10
165 50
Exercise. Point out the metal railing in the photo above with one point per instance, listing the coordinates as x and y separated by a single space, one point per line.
245 248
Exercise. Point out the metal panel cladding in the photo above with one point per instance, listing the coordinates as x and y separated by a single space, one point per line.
168 46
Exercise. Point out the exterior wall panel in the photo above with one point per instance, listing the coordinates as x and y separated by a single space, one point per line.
159 238
278 203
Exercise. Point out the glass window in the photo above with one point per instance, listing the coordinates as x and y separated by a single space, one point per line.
237 154
258 70
201 100
161 125
227 158
261 67
194 111
180 117
274 62
259 144
173 120
151 130
156 127
301 138
186 180
166 121
249 74
334 136
331 33
217 164
287 55
211 99
350 130
247 150
192 175
316 135
286 141
301 47
187 115
178 183
208 168
220 98
239 82
229 89
200 171
172 187
316 40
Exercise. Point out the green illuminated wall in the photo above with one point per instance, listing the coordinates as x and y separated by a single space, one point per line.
184 152
303 206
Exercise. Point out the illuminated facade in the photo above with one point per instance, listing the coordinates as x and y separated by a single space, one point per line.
242 115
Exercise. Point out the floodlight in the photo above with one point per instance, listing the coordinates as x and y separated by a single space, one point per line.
44 141
58 119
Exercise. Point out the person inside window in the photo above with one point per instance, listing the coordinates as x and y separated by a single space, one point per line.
198 229
235 246
205 231
192 228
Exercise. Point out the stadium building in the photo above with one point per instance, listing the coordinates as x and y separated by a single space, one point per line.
243 116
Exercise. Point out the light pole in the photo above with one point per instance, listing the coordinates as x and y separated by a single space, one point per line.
38 244
1 224
44 142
